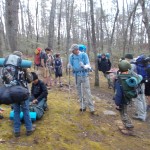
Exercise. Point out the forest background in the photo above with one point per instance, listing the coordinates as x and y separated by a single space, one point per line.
117 27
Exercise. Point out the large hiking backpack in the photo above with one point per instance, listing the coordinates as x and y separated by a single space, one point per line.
129 92
39 110
10 71
37 60
141 66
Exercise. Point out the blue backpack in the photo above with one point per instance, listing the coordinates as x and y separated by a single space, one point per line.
141 66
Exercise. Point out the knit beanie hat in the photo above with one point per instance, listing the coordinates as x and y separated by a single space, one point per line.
18 53
34 75
129 56
74 47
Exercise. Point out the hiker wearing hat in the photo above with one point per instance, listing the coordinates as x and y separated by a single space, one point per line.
80 64
140 100
121 100
38 92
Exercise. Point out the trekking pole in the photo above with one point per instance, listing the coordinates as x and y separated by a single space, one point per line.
69 93
82 96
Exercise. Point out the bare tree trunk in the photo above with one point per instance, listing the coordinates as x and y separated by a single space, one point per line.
37 26
29 27
51 24
128 23
113 30
59 24
1 32
87 29
94 43
7 46
101 28
130 47
22 19
69 16
146 21
11 18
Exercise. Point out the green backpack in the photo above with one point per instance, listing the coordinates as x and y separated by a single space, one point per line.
128 91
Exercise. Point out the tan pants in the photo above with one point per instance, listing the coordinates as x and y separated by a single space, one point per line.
43 72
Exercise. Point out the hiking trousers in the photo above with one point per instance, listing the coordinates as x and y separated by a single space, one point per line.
125 118
24 106
84 92
140 103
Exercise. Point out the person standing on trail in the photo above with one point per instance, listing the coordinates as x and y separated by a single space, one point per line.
104 64
140 101
44 71
58 69
79 62
120 97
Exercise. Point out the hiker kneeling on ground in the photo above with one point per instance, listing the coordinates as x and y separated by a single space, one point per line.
38 93
125 91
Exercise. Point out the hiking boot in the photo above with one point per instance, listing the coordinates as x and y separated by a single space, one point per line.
17 134
84 109
92 112
148 108
136 117
28 133
46 109
1 117
61 85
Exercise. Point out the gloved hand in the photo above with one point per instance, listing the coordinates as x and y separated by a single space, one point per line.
87 66
69 66
81 64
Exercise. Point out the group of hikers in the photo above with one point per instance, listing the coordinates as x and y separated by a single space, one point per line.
128 81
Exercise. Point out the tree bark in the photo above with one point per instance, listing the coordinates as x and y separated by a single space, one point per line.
11 22
146 21
59 24
51 24
94 43
128 23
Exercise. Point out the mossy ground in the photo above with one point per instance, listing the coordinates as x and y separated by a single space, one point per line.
64 127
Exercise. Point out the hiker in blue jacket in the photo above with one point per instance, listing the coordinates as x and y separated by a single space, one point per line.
80 64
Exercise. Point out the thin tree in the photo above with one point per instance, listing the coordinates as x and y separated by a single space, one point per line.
113 30
69 17
1 32
37 25
94 43
59 24
51 24
146 21
127 27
